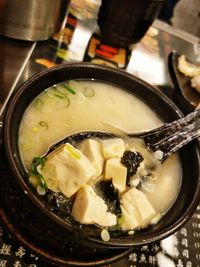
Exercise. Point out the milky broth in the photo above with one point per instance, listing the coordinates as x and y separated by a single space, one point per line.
59 112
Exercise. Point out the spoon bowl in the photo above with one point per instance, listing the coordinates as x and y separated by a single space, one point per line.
167 139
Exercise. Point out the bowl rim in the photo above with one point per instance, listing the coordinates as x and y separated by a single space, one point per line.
116 242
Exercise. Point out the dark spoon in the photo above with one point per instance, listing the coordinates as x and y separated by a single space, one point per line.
168 138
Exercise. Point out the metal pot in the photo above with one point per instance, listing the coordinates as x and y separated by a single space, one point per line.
32 20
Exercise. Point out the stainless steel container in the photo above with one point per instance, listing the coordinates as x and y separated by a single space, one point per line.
32 20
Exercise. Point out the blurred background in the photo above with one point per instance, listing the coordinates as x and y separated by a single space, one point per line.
183 14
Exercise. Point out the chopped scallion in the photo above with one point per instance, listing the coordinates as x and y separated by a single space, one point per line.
62 95
59 95
38 103
67 102
37 161
34 170
73 153
74 84
88 92
69 88
40 190
44 124
105 235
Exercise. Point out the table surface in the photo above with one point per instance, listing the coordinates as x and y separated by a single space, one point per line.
148 60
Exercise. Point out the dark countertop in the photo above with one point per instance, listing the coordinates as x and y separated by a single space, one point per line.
20 60
13 56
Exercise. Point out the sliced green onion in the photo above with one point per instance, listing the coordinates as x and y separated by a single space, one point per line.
50 92
62 96
44 124
73 153
43 181
131 232
69 88
35 163
38 103
66 98
68 102
40 190
74 84
59 95
105 235
88 92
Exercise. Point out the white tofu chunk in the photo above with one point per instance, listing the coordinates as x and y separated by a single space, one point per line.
129 222
92 149
113 148
138 207
116 171
89 208
66 170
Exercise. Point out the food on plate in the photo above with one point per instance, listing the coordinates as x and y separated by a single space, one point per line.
195 82
190 70
112 183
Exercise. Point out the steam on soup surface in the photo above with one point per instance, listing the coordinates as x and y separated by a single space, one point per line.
76 106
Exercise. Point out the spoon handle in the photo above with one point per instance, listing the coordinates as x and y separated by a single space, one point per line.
172 136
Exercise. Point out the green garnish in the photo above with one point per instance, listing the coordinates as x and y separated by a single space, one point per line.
72 152
38 161
38 103
74 84
69 88
59 95
68 101
62 95
88 92
44 124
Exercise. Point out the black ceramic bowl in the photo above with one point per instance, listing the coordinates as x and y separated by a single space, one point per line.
189 194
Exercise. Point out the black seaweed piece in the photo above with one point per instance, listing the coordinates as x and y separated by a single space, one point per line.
58 202
62 206
131 160
105 189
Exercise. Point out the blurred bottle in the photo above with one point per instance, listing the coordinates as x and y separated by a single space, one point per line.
125 22
167 11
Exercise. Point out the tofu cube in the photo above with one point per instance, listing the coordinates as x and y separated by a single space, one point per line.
116 171
129 221
89 208
66 170
113 148
92 149
138 207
